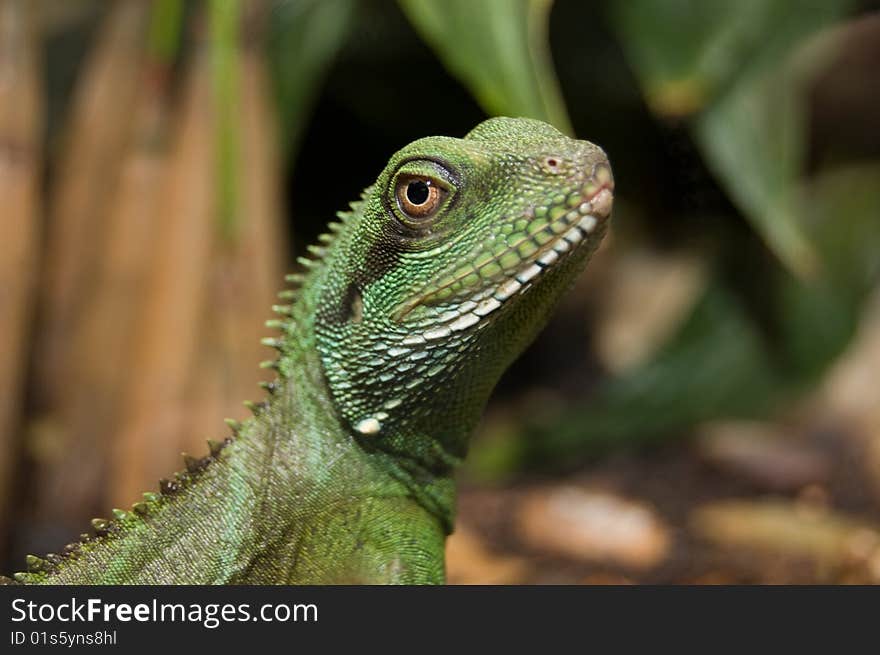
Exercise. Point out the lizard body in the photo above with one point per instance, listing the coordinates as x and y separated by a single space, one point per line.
416 302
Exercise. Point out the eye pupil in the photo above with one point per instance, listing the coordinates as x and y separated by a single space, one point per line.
419 197
417 192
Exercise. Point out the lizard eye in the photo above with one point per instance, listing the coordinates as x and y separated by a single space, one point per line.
418 197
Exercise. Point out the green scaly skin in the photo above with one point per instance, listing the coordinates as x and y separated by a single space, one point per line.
397 334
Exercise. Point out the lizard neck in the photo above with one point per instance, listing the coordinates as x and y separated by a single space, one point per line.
291 499
388 386
323 440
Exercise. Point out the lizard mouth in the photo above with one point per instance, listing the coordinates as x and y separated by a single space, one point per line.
543 237
573 231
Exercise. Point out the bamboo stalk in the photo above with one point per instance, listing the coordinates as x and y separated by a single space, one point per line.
21 125
246 266
167 333
205 311
73 486
96 135
261 171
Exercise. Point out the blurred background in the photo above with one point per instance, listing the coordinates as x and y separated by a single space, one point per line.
703 408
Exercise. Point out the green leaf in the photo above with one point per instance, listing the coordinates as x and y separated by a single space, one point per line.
224 18
819 317
166 23
723 363
683 51
753 141
499 50
304 37
842 216
728 66
716 365
687 52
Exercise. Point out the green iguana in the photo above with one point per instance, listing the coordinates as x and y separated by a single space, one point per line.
415 303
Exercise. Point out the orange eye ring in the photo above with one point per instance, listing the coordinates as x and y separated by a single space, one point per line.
418 197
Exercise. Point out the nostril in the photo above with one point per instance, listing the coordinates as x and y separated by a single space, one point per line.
552 164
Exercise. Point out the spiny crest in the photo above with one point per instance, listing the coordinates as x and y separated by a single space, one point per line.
36 564
38 568
318 252
354 208
194 464
256 408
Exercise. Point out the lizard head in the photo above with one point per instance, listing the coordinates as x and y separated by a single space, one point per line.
447 270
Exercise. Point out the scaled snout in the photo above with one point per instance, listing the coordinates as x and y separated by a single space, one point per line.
599 190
